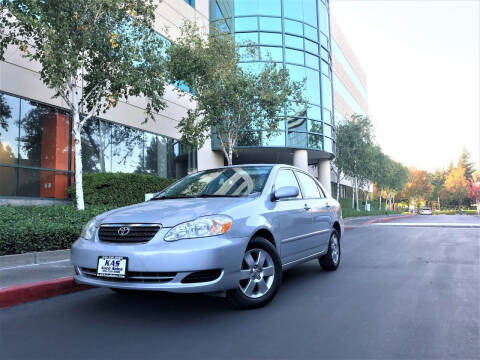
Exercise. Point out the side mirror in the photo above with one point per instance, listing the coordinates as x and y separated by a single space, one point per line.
285 192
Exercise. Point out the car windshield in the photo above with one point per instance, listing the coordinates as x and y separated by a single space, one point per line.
226 182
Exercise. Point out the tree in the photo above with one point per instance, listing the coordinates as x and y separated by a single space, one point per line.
418 186
456 184
354 157
467 163
5 113
229 98
473 189
93 53
438 180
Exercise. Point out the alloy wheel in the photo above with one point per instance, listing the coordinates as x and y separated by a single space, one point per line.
257 273
335 249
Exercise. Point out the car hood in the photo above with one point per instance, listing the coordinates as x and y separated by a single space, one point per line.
170 212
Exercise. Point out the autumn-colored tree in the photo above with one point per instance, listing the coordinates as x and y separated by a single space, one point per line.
418 186
456 184
473 189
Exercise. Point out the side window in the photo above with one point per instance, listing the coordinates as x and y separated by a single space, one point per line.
309 186
287 178
322 193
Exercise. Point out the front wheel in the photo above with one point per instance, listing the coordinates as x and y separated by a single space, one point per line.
260 275
331 260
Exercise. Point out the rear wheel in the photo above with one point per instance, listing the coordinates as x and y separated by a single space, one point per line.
260 275
331 260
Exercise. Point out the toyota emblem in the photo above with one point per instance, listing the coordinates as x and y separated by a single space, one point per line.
123 231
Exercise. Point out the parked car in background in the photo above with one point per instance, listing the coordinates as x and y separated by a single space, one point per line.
426 211
232 229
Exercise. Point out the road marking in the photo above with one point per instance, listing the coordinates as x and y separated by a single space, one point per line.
452 225
29 265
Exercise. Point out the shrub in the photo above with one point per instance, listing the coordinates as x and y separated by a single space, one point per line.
40 228
119 189
455 212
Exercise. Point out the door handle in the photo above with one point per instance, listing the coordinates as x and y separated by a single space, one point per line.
327 205
306 207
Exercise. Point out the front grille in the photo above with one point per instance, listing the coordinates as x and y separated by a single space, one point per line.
133 276
137 233
202 276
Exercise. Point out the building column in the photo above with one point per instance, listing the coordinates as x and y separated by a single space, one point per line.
207 158
300 159
324 174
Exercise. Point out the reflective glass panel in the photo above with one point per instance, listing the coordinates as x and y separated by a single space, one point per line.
315 141
275 139
247 37
294 41
327 116
323 18
315 126
310 12
313 86
328 145
325 68
45 184
127 149
270 39
270 7
297 139
248 53
324 40
246 24
9 123
314 112
270 24
294 56
8 180
275 53
293 27
311 32
293 9
326 93
250 138
324 54
97 146
44 136
245 7
252 67
311 61
327 130
297 124
158 155
311 46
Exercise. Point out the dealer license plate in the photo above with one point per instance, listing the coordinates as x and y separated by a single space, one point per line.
112 266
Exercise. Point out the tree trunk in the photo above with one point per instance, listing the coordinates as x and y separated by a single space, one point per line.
380 199
438 201
353 196
78 161
356 193
338 186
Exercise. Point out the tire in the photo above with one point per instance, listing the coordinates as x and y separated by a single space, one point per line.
331 260
260 281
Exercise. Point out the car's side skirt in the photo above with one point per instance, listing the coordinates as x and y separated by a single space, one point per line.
293 263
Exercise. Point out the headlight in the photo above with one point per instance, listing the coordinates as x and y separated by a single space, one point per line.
89 230
201 227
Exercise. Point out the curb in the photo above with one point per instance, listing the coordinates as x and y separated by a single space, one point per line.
34 258
387 219
14 295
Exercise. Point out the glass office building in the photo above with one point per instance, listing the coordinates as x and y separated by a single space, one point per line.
295 34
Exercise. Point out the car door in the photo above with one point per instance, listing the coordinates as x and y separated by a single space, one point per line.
291 219
319 212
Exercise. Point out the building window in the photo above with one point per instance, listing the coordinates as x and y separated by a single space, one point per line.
36 153
191 3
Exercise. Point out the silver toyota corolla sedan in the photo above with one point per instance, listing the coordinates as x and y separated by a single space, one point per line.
229 230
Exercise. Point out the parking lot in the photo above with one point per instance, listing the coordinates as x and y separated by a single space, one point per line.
409 288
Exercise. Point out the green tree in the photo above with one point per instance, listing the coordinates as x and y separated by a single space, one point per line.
466 162
229 99
93 53
438 180
5 113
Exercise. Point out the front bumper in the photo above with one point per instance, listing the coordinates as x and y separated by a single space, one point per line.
157 258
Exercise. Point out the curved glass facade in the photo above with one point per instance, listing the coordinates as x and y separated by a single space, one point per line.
295 34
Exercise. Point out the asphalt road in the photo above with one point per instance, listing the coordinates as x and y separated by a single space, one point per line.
400 292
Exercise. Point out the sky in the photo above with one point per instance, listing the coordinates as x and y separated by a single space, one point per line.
422 62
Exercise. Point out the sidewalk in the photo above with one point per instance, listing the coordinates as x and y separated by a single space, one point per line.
357 221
